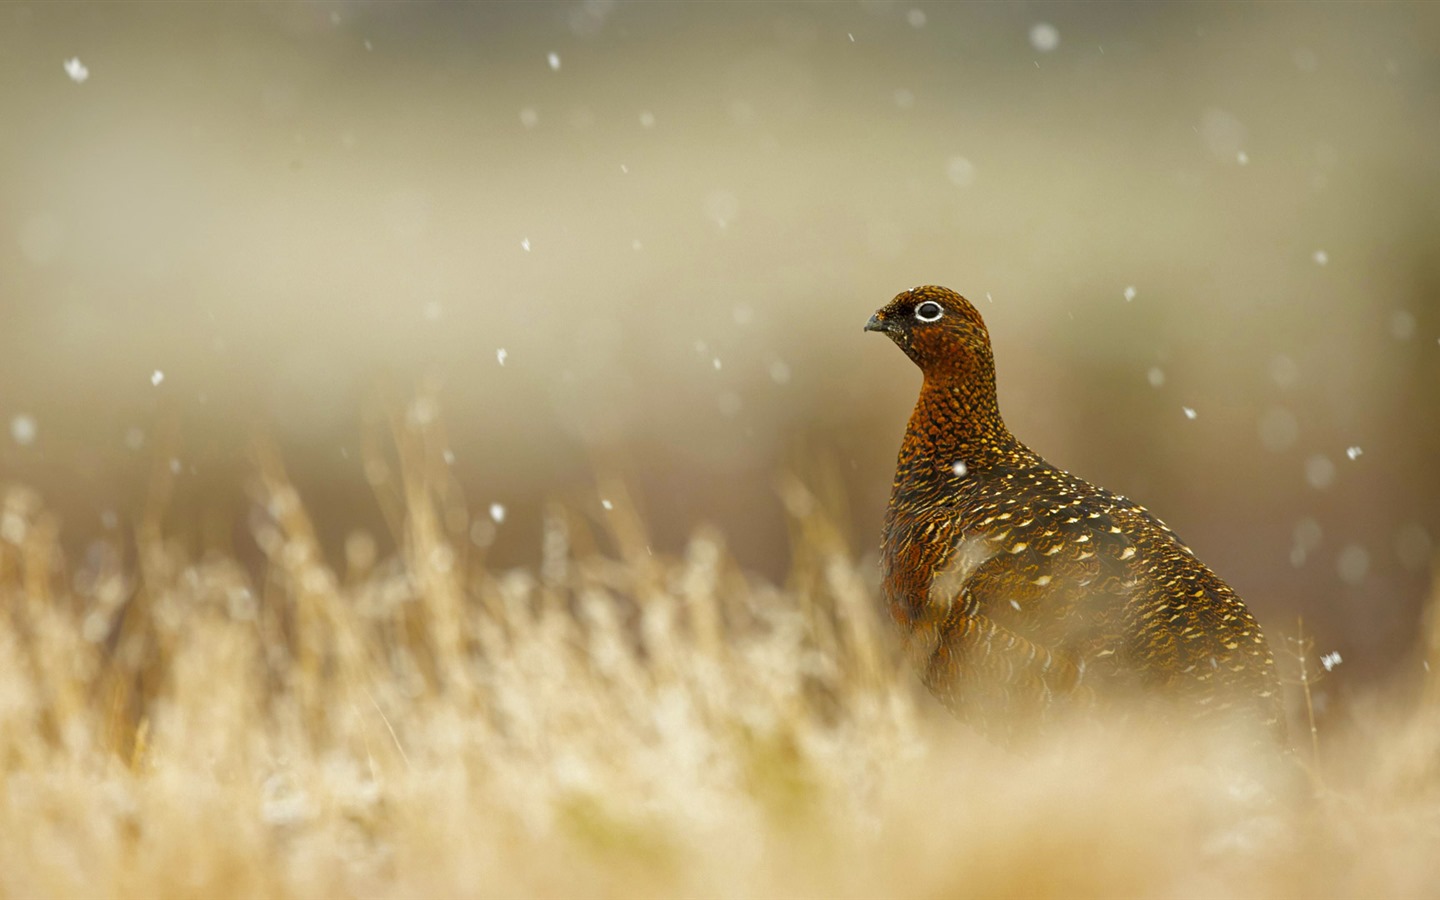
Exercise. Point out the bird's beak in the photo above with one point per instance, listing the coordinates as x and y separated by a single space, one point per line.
877 323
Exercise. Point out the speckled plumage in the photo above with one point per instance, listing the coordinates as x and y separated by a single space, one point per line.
1022 589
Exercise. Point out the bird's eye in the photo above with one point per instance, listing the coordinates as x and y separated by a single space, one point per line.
929 311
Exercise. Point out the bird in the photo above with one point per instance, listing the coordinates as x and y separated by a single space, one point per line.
1023 592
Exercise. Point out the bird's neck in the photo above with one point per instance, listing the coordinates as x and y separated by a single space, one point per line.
956 421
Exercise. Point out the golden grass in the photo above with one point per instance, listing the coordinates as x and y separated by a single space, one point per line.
615 723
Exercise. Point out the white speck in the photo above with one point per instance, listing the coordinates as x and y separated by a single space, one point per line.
1321 257
1156 376
1353 452
1331 660
647 119
422 411
960 171
174 465
368 45
716 363
1402 325
607 504
1242 158
624 169
779 372
1129 293
1283 371
1044 37
1307 536
554 60
500 355
525 245
851 36
22 429
960 468
1319 471
433 311
76 70
1353 564
916 18
156 377
1278 429
448 456
1189 413
722 207
1015 603
497 513
529 117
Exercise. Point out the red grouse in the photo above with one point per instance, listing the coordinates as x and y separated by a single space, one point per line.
1022 589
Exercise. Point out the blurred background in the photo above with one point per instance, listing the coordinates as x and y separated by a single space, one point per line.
642 239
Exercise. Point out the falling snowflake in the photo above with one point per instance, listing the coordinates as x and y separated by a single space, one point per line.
1331 660
1321 257
960 468
554 60
500 355
22 429
525 245
1319 471
156 377
647 119
1044 37
1353 452
716 363
76 70
1189 413
1129 293
1156 376
960 171
607 504
497 513
1242 158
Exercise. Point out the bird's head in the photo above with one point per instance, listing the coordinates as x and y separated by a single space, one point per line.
938 329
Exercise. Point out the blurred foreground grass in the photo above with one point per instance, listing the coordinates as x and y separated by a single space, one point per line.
614 723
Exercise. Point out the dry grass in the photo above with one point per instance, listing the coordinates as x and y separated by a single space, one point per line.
616 723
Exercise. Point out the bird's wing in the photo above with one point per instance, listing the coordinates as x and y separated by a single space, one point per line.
968 658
